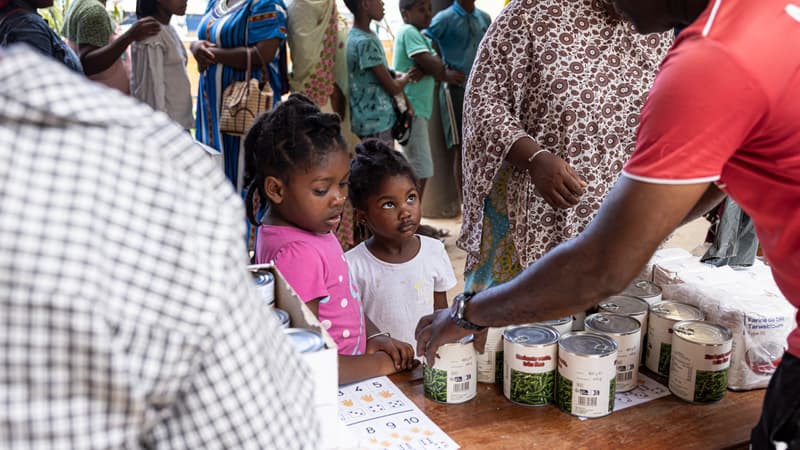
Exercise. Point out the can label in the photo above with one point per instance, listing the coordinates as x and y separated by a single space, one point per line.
529 373
699 373
659 344
586 385
490 362
452 378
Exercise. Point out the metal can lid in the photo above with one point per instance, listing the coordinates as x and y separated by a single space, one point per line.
282 316
642 289
676 311
624 304
262 278
556 322
531 335
609 323
305 341
701 332
585 343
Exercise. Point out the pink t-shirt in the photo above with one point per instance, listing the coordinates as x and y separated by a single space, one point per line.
724 109
314 265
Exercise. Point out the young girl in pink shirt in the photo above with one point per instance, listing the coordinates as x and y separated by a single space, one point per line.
299 166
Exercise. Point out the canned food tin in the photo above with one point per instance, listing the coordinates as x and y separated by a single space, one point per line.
562 325
305 341
701 356
265 284
628 306
283 317
626 332
645 290
529 370
586 374
452 378
490 362
663 315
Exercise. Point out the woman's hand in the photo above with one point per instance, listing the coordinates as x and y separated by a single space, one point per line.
201 50
556 181
402 354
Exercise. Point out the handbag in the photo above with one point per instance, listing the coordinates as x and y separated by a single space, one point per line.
401 130
243 101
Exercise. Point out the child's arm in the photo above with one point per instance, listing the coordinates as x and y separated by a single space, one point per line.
440 300
432 65
360 367
401 352
392 86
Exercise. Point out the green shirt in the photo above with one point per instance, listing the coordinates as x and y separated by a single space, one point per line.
371 109
410 42
87 22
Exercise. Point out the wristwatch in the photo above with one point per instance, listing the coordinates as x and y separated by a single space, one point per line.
457 312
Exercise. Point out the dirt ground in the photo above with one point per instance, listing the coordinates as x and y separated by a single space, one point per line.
688 237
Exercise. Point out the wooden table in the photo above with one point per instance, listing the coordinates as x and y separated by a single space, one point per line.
490 421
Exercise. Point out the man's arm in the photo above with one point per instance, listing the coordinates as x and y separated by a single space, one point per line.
631 223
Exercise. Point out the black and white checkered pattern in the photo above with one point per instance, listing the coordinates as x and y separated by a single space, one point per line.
127 317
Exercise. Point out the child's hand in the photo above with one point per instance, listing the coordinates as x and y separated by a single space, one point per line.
454 77
414 74
402 354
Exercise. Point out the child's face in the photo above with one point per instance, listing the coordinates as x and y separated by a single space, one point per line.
373 9
419 15
313 199
393 212
173 7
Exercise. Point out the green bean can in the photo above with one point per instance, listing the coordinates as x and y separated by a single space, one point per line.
562 325
587 374
452 377
645 290
701 356
305 341
663 315
490 362
529 369
265 285
628 306
625 331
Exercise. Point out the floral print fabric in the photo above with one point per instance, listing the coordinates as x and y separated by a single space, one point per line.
572 76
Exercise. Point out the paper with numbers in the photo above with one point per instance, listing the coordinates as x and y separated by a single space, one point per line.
647 390
382 417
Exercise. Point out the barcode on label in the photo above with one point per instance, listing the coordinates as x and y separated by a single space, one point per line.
624 376
460 387
587 401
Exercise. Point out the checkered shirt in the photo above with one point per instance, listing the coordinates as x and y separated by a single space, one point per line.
127 316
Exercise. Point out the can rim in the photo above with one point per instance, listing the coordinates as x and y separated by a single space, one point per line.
614 348
587 324
727 335
515 339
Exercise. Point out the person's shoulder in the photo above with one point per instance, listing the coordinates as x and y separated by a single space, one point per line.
430 244
484 15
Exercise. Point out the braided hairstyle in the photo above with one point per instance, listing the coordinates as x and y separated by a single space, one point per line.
374 162
295 135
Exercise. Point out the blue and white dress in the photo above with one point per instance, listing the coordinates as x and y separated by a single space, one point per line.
225 26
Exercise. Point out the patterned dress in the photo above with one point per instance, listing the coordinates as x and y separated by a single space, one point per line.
225 26
573 77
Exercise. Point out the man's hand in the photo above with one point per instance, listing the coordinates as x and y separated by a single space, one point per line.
402 354
556 181
144 28
435 330
201 50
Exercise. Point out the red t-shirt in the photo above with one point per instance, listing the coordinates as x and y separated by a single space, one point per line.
725 107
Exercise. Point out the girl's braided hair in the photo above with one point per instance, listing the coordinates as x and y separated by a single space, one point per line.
295 135
374 162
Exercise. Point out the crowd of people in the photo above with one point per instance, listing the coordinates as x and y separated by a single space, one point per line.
578 127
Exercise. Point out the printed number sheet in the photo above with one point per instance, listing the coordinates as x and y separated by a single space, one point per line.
648 389
382 417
